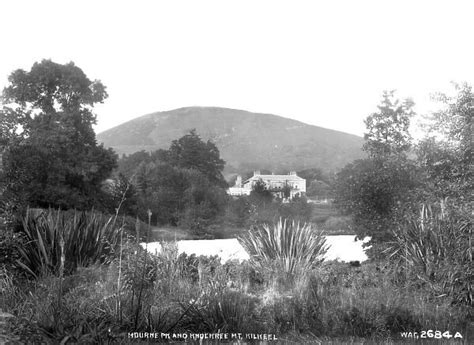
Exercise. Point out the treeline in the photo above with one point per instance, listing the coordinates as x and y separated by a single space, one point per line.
51 159
181 186
184 186
382 191
50 155
415 199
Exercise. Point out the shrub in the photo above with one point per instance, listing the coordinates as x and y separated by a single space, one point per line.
367 302
59 240
9 292
138 268
435 248
238 211
288 248
164 295
9 242
221 311
297 209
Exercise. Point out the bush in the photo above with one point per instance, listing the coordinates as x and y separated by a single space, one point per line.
174 293
60 241
238 211
9 244
297 209
435 248
367 302
287 250
221 311
138 268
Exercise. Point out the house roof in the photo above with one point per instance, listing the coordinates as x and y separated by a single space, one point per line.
275 178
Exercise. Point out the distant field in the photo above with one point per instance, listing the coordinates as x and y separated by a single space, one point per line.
169 233
328 218
324 217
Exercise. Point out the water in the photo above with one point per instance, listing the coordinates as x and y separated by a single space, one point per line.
342 248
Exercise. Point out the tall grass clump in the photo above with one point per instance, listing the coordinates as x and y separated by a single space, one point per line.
57 240
287 249
435 247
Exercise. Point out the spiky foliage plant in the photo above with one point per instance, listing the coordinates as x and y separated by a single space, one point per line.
221 311
82 238
287 247
435 247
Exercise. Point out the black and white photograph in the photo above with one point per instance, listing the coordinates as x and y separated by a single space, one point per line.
236 172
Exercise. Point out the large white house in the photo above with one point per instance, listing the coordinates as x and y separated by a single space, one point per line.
277 184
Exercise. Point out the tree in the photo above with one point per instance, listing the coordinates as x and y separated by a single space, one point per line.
260 192
375 195
319 189
190 152
128 164
50 154
238 211
182 185
388 128
159 188
376 191
286 190
446 152
203 202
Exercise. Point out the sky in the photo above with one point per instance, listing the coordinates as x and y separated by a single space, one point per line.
324 63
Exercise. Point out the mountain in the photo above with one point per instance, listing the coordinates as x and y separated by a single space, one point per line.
246 141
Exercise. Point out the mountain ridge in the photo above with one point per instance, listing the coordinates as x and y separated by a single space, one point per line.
245 140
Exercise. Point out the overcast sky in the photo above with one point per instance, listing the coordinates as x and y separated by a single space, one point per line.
321 62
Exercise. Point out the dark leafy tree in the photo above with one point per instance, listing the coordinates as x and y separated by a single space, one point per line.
377 191
286 190
238 211
387 130
446 153
190 152
260 192
298 209
161 188
319 189
178 196
182 185
128 164
50 154
318 183
203 202
376 195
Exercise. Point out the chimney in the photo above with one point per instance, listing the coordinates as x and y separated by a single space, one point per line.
292 173
238 182
256 172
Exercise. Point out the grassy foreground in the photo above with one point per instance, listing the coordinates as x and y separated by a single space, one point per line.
284 294
183 294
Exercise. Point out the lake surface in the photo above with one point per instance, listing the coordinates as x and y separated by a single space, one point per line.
342 248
